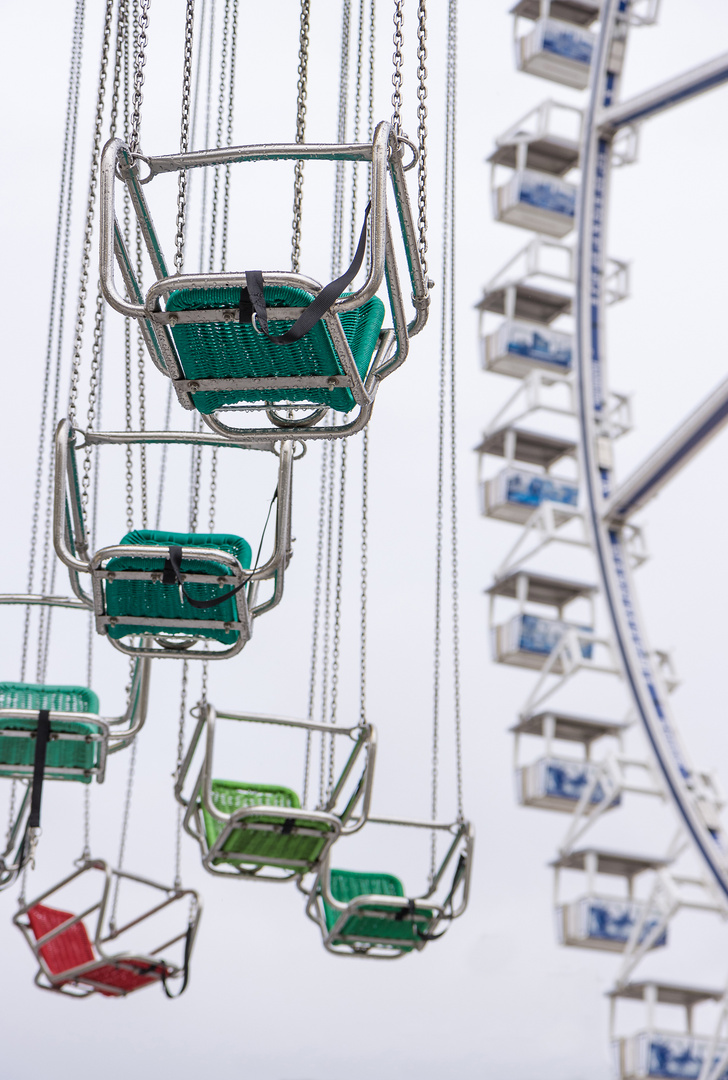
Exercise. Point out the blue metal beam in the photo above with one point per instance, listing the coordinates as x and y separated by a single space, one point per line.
652 102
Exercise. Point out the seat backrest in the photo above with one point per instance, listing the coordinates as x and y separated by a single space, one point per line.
231 795
69 949
55 698
348 884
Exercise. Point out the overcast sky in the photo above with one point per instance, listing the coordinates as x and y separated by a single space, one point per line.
497 995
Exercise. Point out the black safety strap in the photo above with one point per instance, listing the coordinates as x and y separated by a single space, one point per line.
288 826
185 967
459 872
41 745
252 298
409 909
172 573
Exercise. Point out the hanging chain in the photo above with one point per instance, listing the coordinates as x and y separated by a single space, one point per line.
141 25
336 636
213 490
356 129
397 59
422 133
163 464
11 815
363 574
327 449
301 93
229 140
208 108
218 140
338 226
90 205
327 616
455 588
124 831
177 773
141 357
184 137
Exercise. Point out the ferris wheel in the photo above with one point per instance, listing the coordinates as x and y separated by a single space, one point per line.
215 384
543 326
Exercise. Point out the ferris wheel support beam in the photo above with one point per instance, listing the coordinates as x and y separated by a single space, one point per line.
684 783
652 102
670 456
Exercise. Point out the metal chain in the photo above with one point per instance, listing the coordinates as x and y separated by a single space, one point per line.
59 282
364 574
205 673
124 830
356 130
92 394
184 137
90 205
141 358
231 105
422 132
122 30
11 815
372 42
327 449
141 25
341 137
177 772
220 125
163 464
195 469
327 618
301 94
336 637
397 59
213 490
208 107
86 852
455 588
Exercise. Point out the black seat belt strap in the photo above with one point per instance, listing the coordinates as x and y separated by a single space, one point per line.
41 746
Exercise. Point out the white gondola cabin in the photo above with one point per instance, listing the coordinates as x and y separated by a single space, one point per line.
539 156
528 637
515 492
599 919
560 44
657 1051
556 780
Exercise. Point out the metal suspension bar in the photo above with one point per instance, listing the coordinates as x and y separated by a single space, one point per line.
670 456
682 780
656 100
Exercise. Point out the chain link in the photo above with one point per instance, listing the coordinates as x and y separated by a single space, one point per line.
336 637
301 94
124 831
184 138
397 60
364 574
177 774
327 617
90 205
231 104
326 450
141 25
213 490
422 132
219 133
141 358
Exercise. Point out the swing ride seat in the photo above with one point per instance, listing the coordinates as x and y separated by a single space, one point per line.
75 748
234 350
69 957
152 599
366 922
252 837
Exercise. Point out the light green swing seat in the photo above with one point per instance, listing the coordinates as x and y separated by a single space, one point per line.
73 757
374 924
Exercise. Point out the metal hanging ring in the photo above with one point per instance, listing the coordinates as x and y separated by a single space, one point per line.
413 148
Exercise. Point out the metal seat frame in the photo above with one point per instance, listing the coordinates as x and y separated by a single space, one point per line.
439 909
384 155
104 933
340 820
72 547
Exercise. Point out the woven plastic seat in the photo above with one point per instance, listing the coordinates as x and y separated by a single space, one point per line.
153 598
373 923
235 350
258 844
61 753
72 949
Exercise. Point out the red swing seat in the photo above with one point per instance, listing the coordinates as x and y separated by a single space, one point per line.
72 949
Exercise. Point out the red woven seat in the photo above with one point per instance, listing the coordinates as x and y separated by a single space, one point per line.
72 949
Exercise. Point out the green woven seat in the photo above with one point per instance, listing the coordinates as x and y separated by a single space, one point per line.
363 929
248 844
152 599
234 350
61 753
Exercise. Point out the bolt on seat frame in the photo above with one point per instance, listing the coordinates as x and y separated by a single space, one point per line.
384 155
351 927
78 980
261 840
72 547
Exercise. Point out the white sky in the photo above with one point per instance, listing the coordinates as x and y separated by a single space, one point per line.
497 995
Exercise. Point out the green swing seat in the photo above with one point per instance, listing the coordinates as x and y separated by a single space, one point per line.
61 754
233 350
251 841
373 924
151 599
